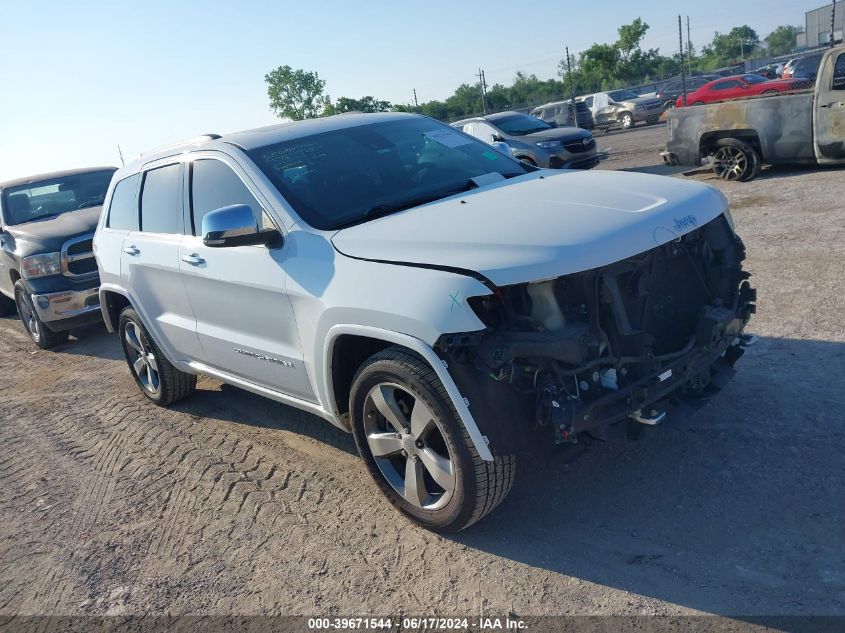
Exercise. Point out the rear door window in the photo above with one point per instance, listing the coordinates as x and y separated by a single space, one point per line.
161 207
123 209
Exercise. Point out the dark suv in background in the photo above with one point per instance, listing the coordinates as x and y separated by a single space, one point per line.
534 141
47 267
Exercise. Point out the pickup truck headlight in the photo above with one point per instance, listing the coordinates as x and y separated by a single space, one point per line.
42 265
549 144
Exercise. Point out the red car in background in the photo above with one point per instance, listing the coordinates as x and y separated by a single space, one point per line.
750 85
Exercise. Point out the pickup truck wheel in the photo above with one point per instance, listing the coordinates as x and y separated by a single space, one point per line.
7 306
626 120
41 335
735 160
416 448
157 378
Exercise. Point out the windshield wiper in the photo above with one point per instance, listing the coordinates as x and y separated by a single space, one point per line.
381 210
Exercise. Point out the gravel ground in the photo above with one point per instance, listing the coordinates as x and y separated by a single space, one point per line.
232 504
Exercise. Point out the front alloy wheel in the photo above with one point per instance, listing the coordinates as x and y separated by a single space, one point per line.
408 448
41 335
416 447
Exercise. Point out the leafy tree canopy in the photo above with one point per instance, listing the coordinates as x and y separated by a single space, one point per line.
783 40
296 94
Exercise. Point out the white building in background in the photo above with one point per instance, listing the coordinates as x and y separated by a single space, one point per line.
817 26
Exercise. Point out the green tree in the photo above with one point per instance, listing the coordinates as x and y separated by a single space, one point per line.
364 104
630 36
295 93
782 40
740 42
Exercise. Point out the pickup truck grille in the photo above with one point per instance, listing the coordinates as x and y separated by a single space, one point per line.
78 258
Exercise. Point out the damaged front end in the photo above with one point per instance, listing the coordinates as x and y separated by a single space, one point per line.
585 351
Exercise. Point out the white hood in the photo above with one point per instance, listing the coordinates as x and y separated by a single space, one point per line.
542 225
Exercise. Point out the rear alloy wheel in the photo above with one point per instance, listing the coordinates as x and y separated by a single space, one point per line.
417 449
157 378
41 335
735 160
626 120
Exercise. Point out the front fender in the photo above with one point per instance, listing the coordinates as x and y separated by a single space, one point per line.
422 349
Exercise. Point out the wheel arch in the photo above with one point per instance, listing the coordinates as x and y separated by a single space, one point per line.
708 140
346 344
112 302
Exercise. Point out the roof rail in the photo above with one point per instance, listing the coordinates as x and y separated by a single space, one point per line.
195 140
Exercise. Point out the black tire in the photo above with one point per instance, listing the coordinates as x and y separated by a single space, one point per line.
626 121
155 376
478 486
669 104
736 160
41 335
7 306
528 161
698 103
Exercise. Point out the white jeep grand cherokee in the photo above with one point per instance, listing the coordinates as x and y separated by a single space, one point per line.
448 305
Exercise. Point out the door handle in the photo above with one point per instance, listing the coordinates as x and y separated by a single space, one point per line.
193 259
131 250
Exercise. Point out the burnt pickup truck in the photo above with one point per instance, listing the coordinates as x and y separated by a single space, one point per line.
47 267
739 137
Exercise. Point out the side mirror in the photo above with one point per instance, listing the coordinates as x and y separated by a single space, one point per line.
502 147
235 225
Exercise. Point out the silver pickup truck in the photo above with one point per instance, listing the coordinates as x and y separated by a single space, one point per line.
739 137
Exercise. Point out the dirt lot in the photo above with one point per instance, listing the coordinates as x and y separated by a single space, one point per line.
230 503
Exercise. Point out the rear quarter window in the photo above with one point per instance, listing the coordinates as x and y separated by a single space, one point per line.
123 208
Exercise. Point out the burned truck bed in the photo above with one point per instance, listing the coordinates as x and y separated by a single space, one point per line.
779 127
585 351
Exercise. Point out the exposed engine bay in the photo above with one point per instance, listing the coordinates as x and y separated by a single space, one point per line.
585 351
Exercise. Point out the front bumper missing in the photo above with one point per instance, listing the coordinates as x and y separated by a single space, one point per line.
72 306
702 373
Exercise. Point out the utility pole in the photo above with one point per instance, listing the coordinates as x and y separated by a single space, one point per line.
681 50
416 103
832 22
481 84
571 89
689 49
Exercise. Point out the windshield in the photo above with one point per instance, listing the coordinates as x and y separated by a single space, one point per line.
348 176
623 95
520 124
754 79
54 196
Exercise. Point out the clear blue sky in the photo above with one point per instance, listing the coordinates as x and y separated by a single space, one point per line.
79 78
